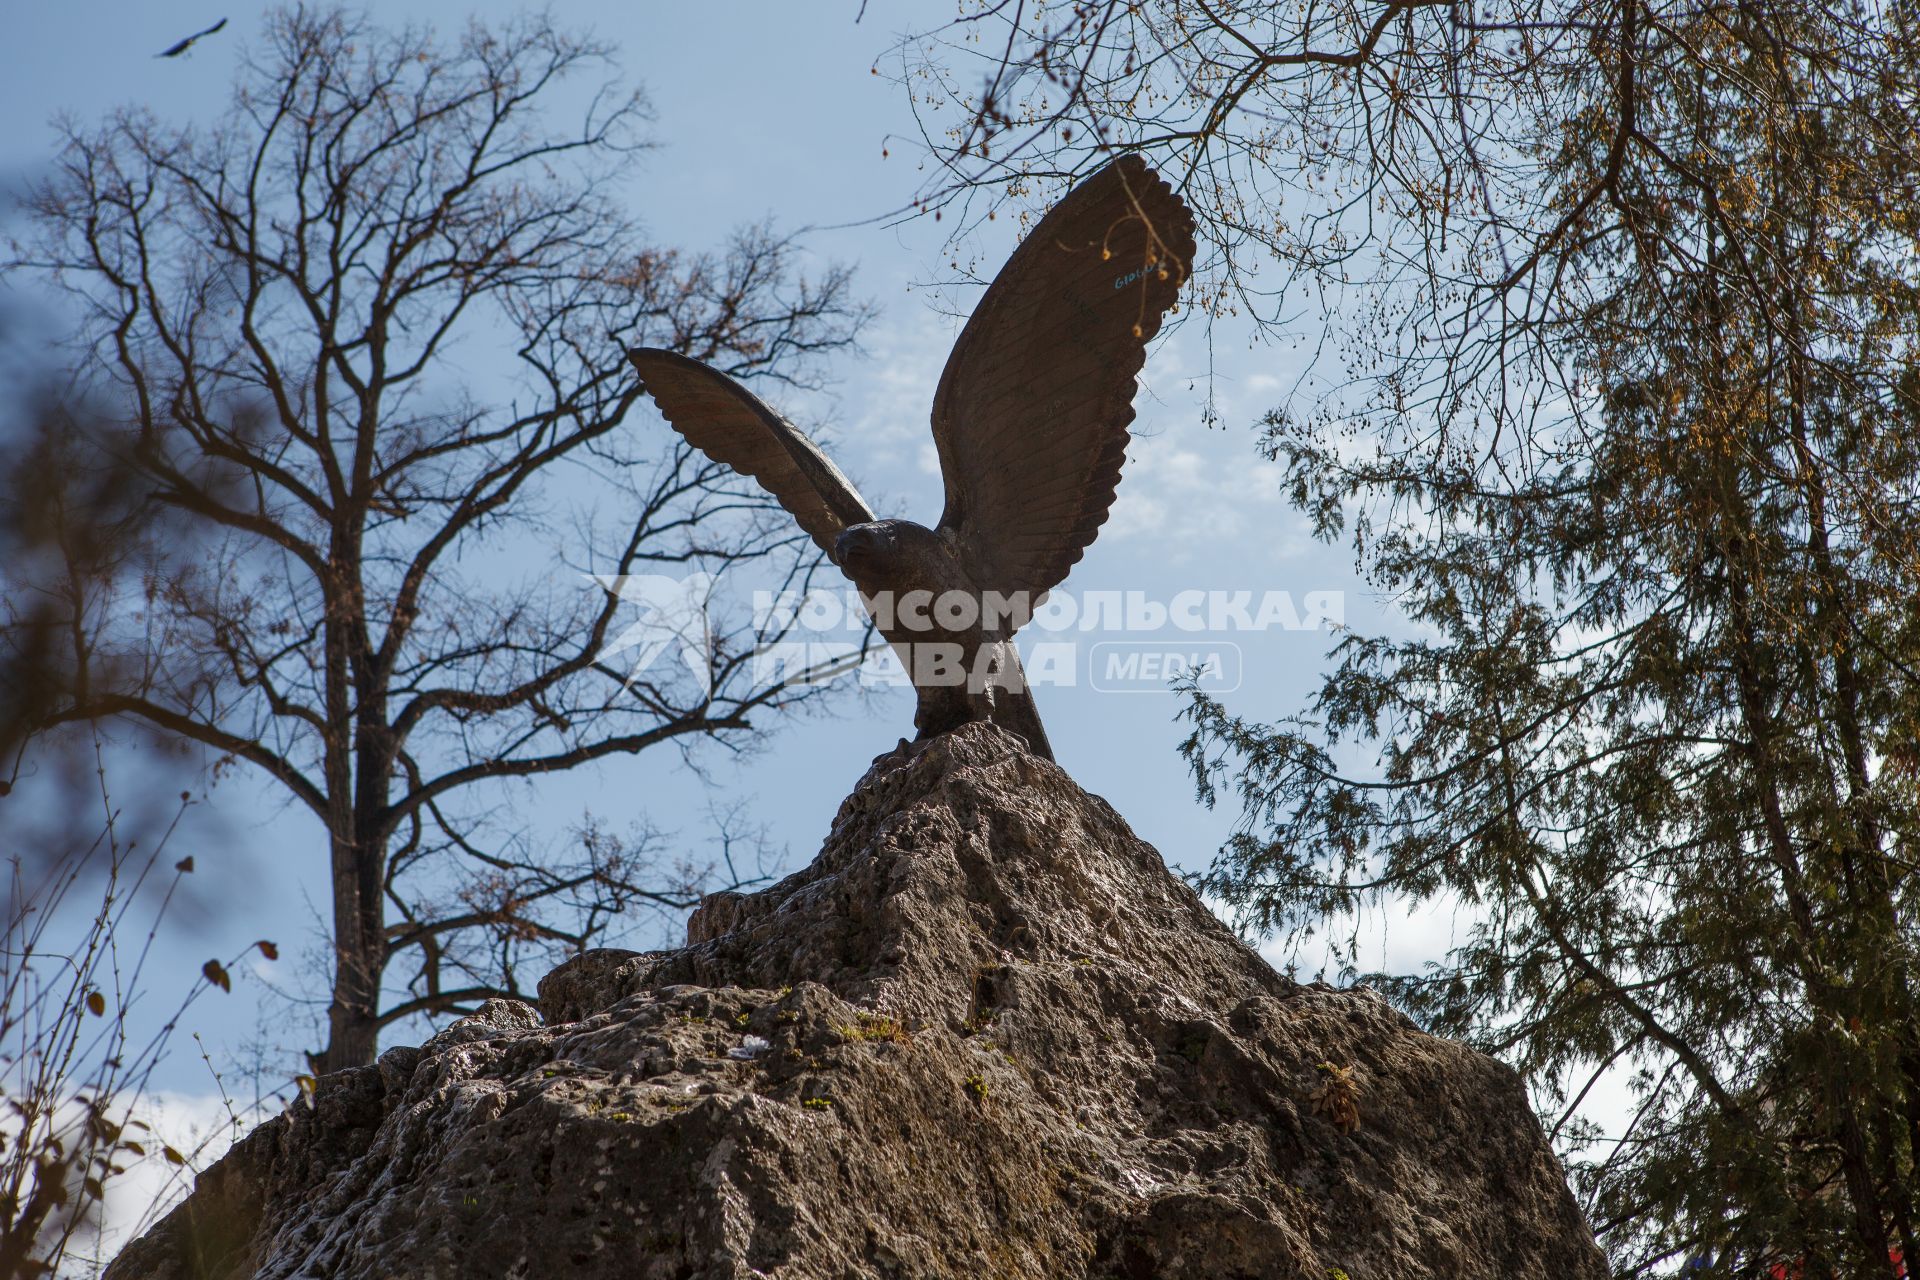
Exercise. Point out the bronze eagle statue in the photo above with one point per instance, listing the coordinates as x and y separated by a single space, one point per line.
1030 421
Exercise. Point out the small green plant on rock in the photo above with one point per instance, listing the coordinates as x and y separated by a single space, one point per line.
874 1027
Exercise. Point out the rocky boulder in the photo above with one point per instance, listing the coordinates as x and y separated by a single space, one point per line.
984 1034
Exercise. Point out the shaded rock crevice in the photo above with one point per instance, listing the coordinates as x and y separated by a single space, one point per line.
984 1033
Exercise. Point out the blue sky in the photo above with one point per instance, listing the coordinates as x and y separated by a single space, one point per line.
768 109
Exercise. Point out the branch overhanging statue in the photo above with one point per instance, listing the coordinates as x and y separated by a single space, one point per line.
1030 420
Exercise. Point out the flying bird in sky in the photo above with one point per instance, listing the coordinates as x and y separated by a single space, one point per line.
184 45
1030 420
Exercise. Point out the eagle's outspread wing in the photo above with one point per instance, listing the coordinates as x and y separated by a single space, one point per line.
734 427
1032 412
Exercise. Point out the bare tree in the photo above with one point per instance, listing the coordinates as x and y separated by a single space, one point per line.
370 334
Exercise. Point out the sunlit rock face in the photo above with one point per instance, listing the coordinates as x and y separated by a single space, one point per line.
984 1034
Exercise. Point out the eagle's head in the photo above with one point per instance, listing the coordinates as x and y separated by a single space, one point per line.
885 552
897 555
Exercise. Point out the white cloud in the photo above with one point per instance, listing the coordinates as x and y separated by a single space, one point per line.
1198 494
892 403
1393 936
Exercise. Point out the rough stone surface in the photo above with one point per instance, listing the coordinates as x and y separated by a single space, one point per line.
1000 1040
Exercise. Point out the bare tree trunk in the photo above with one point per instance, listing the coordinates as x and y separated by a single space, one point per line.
353 1016
359 929
359 872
